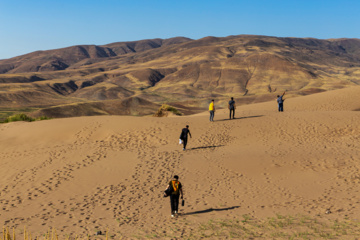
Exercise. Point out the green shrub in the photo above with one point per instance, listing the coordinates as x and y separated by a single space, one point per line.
23 117
19 117
42 118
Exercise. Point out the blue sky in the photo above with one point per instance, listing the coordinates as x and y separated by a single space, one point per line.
27 26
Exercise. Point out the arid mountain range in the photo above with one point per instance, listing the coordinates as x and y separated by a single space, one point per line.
134 78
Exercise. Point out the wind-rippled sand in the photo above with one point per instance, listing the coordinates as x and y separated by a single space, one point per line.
81 175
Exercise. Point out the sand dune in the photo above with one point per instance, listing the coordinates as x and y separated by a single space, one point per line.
85 174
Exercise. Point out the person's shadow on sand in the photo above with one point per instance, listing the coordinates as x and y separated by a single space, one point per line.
239 118
211 210
195 148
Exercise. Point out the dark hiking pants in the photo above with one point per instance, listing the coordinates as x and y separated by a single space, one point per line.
184 142
281 107
233 113
212 114
174 202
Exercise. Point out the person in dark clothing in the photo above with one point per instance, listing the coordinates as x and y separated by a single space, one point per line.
280 101
184 136
175 195
232 108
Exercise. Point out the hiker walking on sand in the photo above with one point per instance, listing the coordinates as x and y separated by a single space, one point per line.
175 194
184 136
280 101
232 107
212 110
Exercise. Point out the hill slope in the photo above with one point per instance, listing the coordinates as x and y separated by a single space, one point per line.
181 71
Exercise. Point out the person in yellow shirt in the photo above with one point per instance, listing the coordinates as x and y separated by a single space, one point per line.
212 110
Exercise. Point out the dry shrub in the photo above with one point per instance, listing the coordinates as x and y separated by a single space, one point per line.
165 109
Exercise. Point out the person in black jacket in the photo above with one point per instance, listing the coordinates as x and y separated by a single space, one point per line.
175 195
184 135
232 107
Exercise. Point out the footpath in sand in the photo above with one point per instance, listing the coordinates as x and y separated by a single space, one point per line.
88 174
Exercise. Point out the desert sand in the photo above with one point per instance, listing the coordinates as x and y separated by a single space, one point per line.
81 175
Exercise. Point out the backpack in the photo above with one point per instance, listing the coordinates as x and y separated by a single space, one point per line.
175 186
168 191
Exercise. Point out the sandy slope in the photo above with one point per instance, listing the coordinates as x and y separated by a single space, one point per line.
81 175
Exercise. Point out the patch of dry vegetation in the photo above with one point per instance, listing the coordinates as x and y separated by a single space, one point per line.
279 227
165 109
50 235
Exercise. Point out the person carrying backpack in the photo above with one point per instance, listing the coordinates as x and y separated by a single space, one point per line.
280 101
176 187
184 136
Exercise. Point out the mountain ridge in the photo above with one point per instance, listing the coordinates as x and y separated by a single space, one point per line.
181 71
62 58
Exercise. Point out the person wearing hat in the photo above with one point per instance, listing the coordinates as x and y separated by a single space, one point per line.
175 195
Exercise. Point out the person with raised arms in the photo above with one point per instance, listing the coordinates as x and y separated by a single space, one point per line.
280 102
